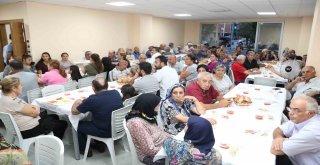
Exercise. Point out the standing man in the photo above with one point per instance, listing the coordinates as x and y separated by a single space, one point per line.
101 104
7 51
166 76
299 138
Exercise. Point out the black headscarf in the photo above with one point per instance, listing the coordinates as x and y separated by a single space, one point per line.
144 107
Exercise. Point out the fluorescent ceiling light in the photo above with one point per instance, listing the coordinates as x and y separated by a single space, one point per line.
182 15
120 4
266 13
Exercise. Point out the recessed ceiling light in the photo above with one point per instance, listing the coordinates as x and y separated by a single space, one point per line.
182 15
120 4
266 13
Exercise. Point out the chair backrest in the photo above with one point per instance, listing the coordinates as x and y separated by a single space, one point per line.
34 94
52 89
130 100
103 75
191 81
13 134
110 77
86 81
116 121
159 121
134 156
265 81
230 74
70 85
49 150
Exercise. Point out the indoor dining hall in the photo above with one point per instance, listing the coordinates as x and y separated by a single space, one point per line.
161 82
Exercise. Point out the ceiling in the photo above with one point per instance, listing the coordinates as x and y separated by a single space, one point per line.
199 9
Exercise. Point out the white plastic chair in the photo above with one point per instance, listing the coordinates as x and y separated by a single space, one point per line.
34 94
52 89
117 132
130 100
70 85
13 134
110 78
134 156
103 75
160 121
265 81
86 81
230 74
49 150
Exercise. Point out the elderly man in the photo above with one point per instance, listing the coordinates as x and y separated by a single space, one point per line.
120 70
250 62
172 60
166 76
136 52
203 90
299 138
112 56
101 105
142 58
307 84
239 71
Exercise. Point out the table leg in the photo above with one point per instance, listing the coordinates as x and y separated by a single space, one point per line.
75 144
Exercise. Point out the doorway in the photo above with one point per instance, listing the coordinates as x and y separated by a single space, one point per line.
12 40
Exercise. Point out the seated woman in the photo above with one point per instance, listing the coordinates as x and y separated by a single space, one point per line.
128 91
26 115
177 108
56 74
65 62
197 147
28 64
147 137
95 67
75 73
190 71
213 62
42 64
12 154
202 68
221 81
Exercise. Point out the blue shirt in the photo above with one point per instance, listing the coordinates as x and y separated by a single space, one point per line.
101 106
136 55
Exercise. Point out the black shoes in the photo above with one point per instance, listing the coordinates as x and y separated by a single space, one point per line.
99 146
89 153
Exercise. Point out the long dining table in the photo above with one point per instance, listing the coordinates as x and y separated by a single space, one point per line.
61 104
268 74
243 134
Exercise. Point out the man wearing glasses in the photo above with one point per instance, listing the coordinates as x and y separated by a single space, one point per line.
299 138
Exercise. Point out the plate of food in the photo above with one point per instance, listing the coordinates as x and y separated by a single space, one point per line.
123 80
241 100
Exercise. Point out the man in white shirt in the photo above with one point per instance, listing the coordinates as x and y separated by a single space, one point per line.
307 84
172 60
166 76
299 138
120 71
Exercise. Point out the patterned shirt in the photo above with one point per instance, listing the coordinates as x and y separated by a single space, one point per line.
168 113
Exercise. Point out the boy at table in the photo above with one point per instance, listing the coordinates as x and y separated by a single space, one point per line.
101 104
299 138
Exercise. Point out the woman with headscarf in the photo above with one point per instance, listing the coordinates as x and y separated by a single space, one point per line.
147 137
197 147
177 108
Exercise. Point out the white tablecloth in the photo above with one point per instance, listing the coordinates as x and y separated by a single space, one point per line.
63 102
246 148
267 74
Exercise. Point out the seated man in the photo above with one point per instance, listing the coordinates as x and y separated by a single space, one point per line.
28 79
147 83
307 84
250 62
203 90
239 71
172 60
142 58
299 138
120 70
101 105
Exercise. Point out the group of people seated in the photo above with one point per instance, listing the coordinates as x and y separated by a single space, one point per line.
179 92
